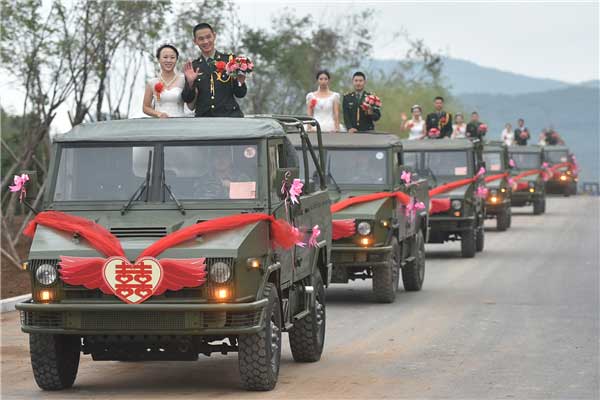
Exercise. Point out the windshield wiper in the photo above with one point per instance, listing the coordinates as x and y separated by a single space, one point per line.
141 189
164 186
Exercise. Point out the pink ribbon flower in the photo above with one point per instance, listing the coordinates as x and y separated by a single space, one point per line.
298 234
405 177
480 172
544 164
316 232
296 190
19 185
511 162
481 192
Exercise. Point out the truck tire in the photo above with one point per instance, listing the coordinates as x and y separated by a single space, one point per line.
502 220
538 206
509 211
413 273
480 239
307 337
386 278
467 243
259 354
54 360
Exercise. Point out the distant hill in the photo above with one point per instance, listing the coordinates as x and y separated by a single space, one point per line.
573 111
468 77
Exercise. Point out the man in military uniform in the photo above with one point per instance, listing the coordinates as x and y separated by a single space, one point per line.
355 118
208 86
474 127
521 133
440 119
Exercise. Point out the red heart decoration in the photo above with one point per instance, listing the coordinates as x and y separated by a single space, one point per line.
132 283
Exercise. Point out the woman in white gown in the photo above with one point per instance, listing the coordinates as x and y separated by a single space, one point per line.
416 125
162 98
324 104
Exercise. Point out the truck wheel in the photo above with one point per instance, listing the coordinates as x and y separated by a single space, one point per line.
413 274
502 220
307 337
538 207
480 239
509 211
54 360
259 354
386 278
467 243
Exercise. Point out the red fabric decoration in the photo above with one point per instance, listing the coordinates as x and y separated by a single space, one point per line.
96 235
343 228
451 186
522 186
496 177
439 206
400 196
527 173
561 165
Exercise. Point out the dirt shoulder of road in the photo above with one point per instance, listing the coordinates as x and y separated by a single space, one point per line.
14 281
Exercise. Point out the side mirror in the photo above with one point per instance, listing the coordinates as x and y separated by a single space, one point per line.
31 186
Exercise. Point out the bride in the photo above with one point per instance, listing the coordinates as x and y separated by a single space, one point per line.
162 98
324 104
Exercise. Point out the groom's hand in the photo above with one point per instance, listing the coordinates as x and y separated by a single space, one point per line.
190 73
241 79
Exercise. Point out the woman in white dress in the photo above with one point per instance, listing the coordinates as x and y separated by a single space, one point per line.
416 125
324 104
162 98
459 129
508 134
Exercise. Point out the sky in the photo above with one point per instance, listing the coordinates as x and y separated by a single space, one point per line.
541 39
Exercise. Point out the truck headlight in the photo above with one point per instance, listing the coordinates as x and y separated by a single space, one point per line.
364 228
456 204
220 272
46 274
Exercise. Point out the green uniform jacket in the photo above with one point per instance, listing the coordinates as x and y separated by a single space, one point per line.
434 120
355 117
473 130
215 94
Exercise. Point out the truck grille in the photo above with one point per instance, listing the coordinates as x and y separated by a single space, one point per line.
42 319
139 232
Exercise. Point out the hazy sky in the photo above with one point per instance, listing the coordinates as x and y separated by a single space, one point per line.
542 39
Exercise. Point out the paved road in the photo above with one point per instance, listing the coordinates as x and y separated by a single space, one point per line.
521 320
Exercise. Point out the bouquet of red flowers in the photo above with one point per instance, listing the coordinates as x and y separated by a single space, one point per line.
371 102
523 134
312 103
158 88
239 65
434 133
482 128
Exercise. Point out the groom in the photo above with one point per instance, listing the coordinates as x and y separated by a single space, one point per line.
208 87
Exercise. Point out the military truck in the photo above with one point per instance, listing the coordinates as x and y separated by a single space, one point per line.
444 161
186 171
495 155
528 186
564 177
386 241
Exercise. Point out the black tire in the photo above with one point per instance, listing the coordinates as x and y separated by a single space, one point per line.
386 278
502 220
307 337
538 206
259 354
54 360
413 273
467 243
543 205
480 239
509 211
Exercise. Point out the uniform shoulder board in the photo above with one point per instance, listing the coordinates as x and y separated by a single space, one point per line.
348 94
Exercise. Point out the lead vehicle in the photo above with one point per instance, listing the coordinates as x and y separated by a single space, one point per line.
142 180
456 214
384 240
528 186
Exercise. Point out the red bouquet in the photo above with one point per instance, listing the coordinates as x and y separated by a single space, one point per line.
434 133
523 135
443 120
220 66
239 65
482 128
312 103
158 88
371 102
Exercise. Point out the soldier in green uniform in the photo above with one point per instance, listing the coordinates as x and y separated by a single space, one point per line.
440 120
208 86
355 118
475 128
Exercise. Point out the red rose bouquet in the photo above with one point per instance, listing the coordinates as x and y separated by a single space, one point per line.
482 128
434 133
239 65
523 135
158 88
371 102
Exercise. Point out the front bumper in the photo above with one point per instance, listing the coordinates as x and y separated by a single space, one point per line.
555 186
450 224
496 208
524 197
135 319
347 256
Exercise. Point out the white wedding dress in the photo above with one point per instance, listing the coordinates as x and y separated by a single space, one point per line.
170 99
323 111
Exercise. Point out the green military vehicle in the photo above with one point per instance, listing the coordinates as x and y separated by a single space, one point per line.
528 186
444 161
385 241
495 155
564 176
187 171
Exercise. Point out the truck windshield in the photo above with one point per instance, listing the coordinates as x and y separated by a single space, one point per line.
556 157
526 160
412 159
493 162
100 173
361 167
446 163
202 172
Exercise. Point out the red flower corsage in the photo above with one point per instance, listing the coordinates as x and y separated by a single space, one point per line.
313 103
158 88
